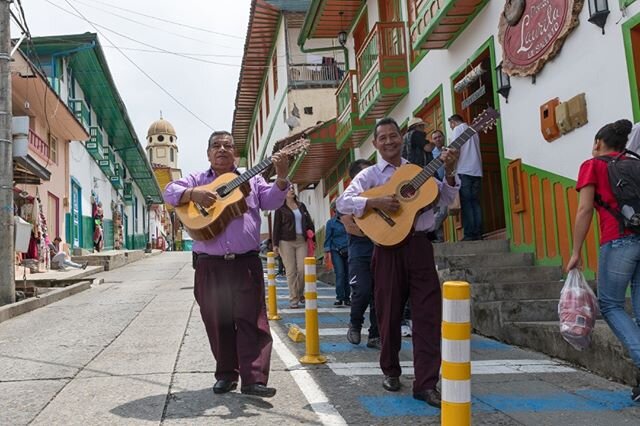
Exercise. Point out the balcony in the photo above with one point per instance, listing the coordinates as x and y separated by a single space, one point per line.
128 193
351 131
107 164
81 111
116 179
38 145
94 145
383 78
439 22
315 75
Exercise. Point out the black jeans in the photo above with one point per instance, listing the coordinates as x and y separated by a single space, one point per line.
361 282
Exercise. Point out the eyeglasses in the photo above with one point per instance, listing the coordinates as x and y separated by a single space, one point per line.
216 147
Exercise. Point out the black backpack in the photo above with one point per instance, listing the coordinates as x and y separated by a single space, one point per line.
624 177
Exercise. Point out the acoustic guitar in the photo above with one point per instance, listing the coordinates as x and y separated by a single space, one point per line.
206 223
415 188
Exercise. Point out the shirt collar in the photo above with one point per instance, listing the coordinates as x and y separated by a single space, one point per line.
211 173
382 164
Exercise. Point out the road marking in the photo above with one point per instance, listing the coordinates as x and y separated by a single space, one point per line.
344 310
500 366
318 401
286 297
337 332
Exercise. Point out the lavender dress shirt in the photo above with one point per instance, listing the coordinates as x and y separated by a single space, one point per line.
350 202
243 233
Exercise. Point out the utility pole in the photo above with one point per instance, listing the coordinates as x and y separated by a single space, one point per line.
7 253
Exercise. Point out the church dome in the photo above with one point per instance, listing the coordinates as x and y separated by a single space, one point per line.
161 127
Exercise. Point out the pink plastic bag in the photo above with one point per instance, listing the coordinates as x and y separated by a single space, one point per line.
578 309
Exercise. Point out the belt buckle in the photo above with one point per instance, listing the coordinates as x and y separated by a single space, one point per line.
229 256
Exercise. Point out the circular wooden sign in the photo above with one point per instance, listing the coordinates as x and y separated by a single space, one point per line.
538 36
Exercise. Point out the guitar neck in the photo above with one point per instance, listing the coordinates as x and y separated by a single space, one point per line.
244 178
433 166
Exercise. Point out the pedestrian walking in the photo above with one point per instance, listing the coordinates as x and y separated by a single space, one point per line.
290 225
360 276
619 261
407 271
229 279
470 172
336 246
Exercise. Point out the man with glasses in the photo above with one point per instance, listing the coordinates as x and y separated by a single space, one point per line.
229 279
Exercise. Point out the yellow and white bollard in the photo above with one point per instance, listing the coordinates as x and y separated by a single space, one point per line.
456 354
271 281
312 350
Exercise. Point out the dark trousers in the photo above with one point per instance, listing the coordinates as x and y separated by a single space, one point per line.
343 292
361 282
232 304
409 271
470 205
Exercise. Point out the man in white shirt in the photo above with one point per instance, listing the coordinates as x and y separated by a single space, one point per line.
470 172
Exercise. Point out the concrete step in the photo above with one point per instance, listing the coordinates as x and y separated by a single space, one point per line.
605 356
508 274
471 247
490 292
458 261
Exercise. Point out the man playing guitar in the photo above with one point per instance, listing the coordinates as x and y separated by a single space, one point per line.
229 281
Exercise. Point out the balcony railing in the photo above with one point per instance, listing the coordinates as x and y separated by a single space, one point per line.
350 129
81 111
382 69
107 164
38 144
316 74
94 145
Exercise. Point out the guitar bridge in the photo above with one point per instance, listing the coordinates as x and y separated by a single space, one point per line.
385 217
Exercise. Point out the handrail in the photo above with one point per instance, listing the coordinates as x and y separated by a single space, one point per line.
316 72
344 93
387 39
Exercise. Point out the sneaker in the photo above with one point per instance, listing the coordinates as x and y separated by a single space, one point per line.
84 265
635 394
347 302
374 343
354 335
337 303
302 299
293 306
405 331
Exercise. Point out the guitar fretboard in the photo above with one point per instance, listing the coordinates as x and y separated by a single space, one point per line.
431 168
243 178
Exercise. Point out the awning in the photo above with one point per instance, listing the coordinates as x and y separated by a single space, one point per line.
326 18
321 156
26 170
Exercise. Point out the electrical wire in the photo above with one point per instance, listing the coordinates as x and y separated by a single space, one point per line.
159 49
169 21
143 71
141 23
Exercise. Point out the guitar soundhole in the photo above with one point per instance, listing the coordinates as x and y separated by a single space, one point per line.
408 191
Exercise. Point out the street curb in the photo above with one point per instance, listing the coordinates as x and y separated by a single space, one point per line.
13 310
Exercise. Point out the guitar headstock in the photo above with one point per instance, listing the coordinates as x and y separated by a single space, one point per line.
296 147
485 121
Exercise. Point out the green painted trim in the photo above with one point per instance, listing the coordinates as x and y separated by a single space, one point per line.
625 3
435 21
425 101
265 79
273 125
628 49
490 44
309 21
418 59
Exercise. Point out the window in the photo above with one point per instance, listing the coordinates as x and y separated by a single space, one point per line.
274 71
308 110
53 149
160 138
171 155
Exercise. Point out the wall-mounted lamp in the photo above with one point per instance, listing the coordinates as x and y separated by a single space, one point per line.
504 82
598 12
342 35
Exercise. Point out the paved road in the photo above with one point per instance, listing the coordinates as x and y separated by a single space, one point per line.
133 351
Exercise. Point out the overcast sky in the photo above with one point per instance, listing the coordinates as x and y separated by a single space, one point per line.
207 89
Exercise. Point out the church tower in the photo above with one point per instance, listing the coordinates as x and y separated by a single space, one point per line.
162 147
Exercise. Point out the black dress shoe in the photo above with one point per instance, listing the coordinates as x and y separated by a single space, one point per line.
258 389
347 302
392 384
224 386
430 396
353 335
337 303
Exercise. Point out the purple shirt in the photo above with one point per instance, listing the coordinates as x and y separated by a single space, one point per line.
350 202
242 234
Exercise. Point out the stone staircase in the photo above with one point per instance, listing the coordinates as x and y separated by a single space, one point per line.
516 302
